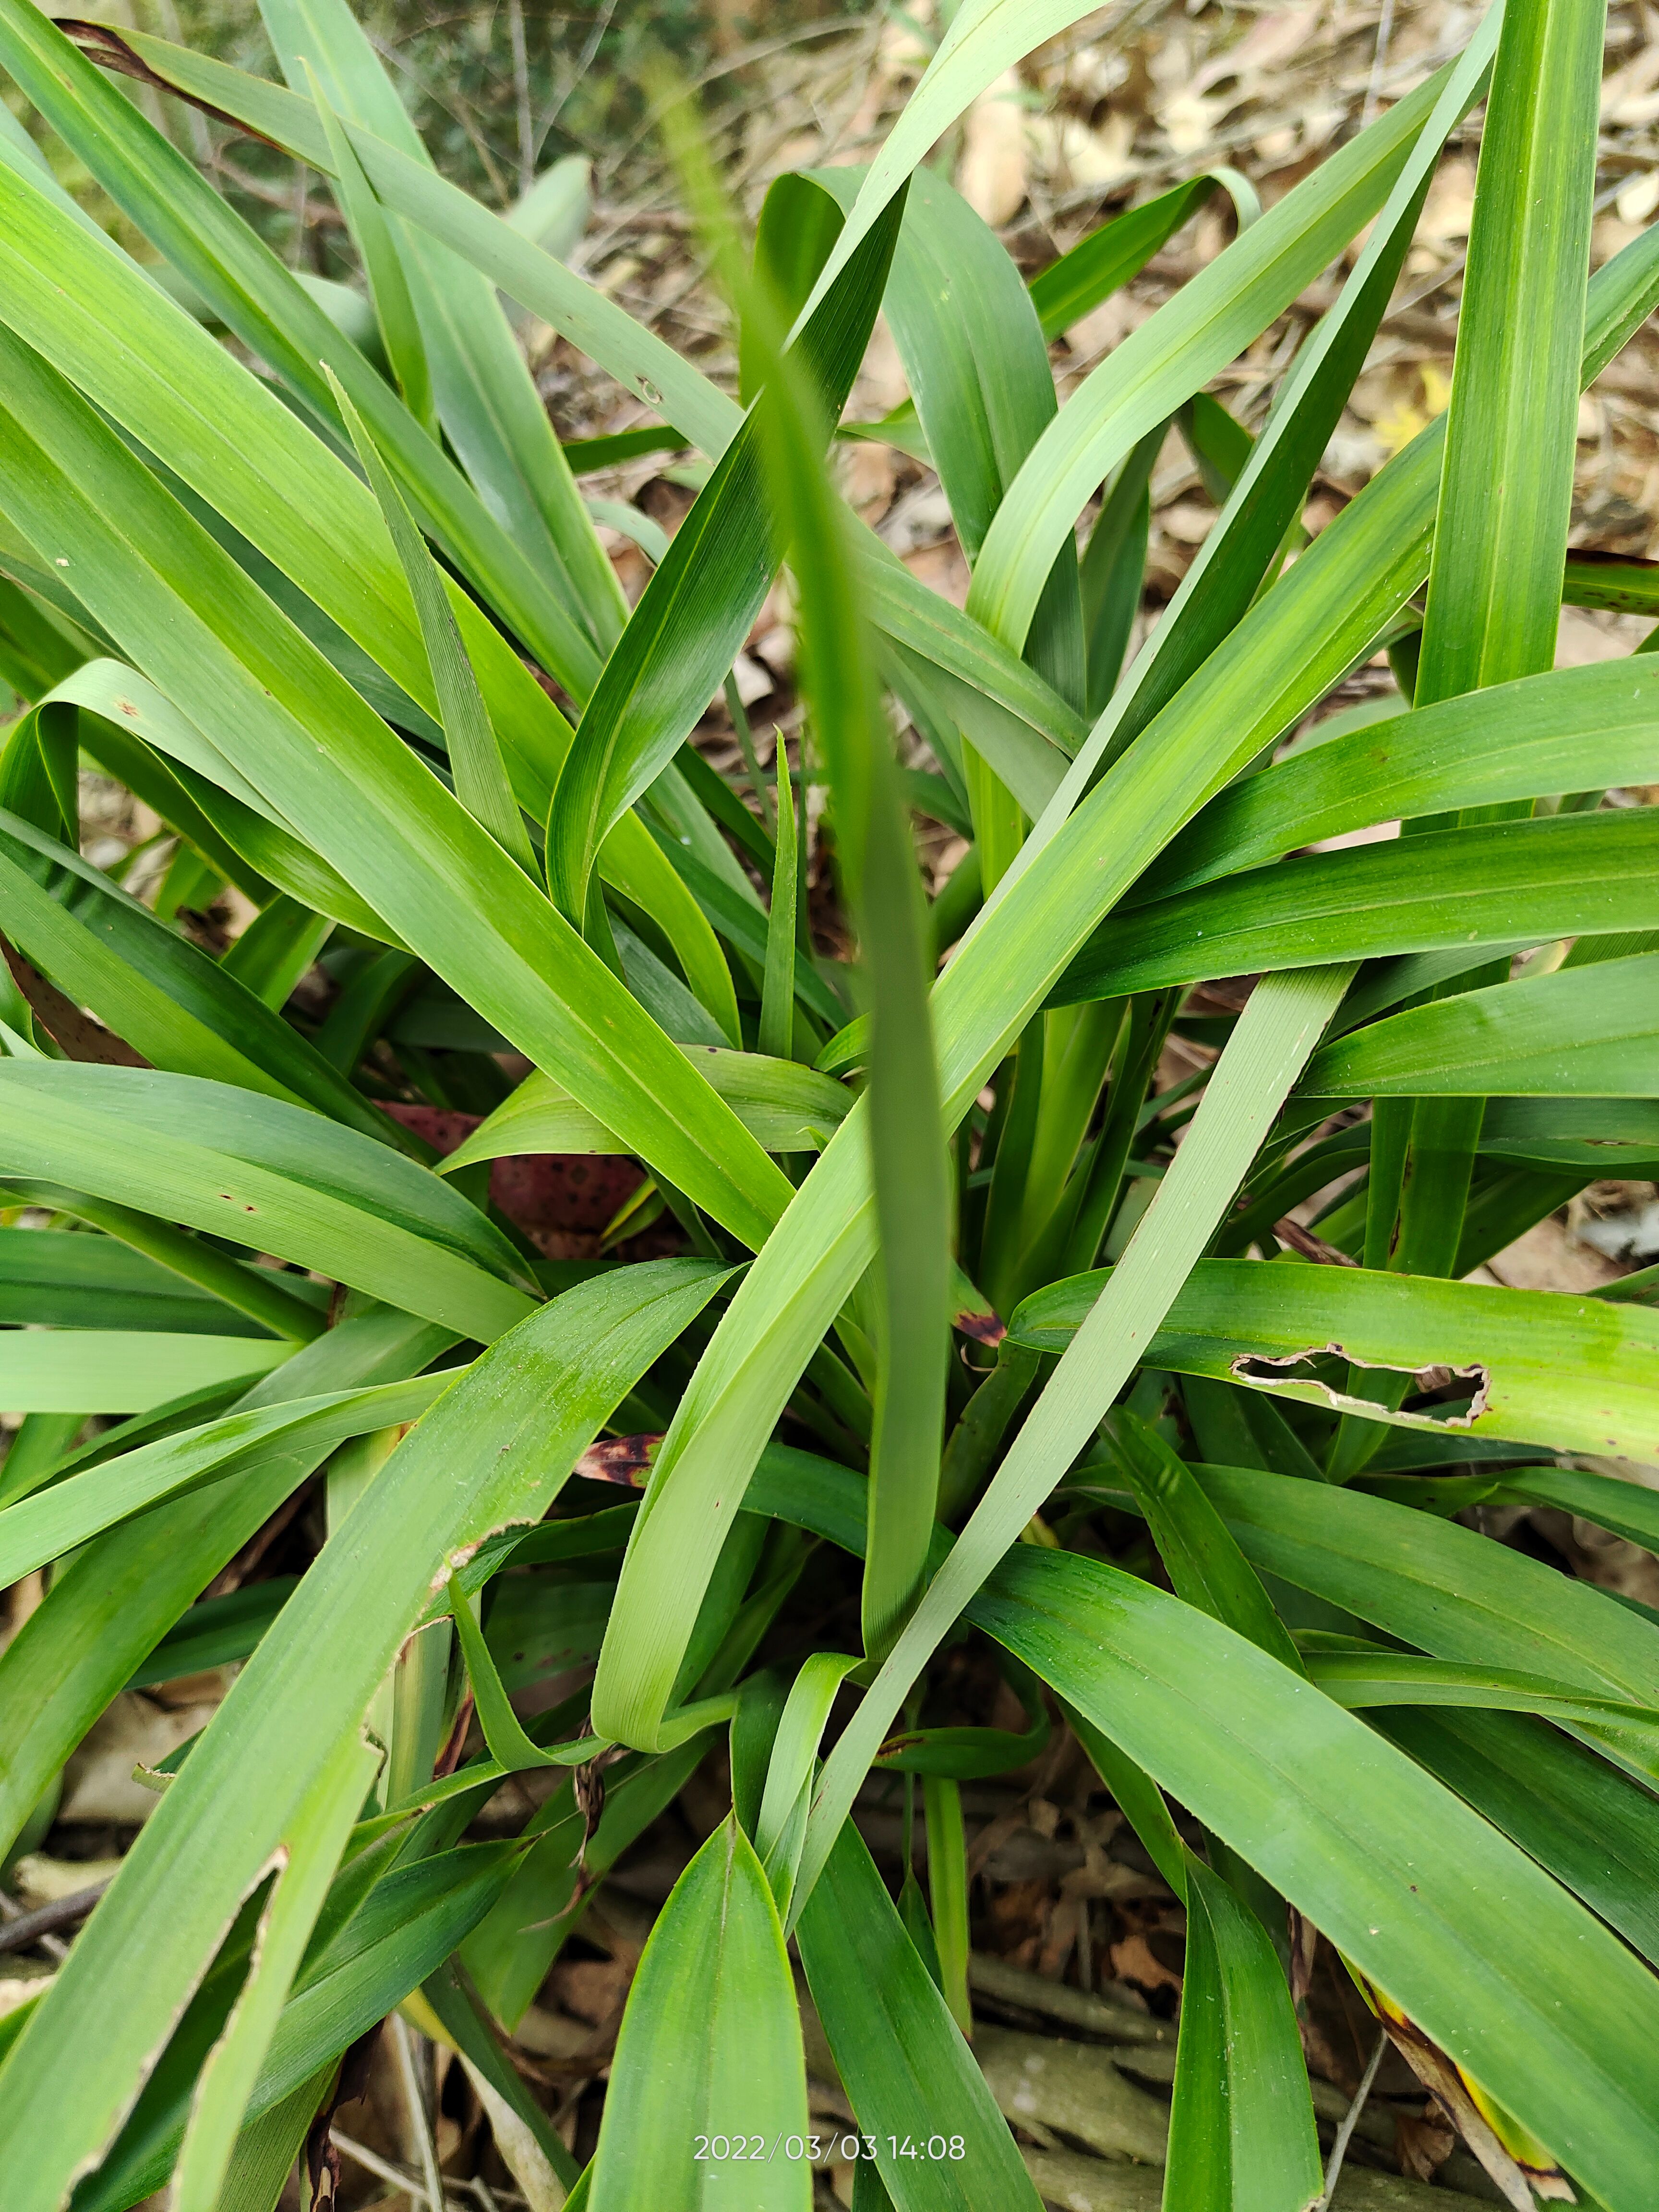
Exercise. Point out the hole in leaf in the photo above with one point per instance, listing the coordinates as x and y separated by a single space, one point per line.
1435 1396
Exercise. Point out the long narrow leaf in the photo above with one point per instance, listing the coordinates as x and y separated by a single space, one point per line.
1268 1048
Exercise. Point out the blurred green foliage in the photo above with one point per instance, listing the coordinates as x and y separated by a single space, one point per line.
498 92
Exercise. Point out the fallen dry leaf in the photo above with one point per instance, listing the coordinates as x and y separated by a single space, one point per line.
992 174
133 1731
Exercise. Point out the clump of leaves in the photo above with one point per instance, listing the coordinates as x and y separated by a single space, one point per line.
940 1273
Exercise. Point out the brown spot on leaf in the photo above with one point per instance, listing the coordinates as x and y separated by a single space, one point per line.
80 1037
981 1324
625 1461
99 43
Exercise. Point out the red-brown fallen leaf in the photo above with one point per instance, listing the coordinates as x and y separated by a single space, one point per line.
570 1193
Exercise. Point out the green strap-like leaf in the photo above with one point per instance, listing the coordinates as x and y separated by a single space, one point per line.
780 1823
1105 261
1266 1050
482 783
377 246
787 1107
1359 1679
309 1853
277 949
696 610
985 38
1204 1562
948 1881
366 800
1594 1827
411 1921
1569 1373
1555 876
262 303
486 396
899 2053
517 1420
1440 1587
1420 1893
58 1279
1175 353
710 2048
1574 729
53 1521
177 1007
1265 487
1506 489
306 1179
97 1370
777 1021
1590 1032
1242 2128
1626 1507
1280 661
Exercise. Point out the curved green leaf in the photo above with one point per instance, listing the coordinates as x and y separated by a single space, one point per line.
785 1107
269 1175
411 1921
107 1607
1592 1032
1576 729
1419 1892
1594 1828
309 1682
900 2055
1506 491
227 264
1108 257
364 799
179 1008
1572 1373
985 38
698 607
1242 2127
496 247
1361 1680
486 397
52 1521
1270 1041
58 1279
709 2046
1175 353
96 1370
1437 1585
1552 877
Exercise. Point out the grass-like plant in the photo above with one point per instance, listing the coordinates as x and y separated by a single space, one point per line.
322 599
